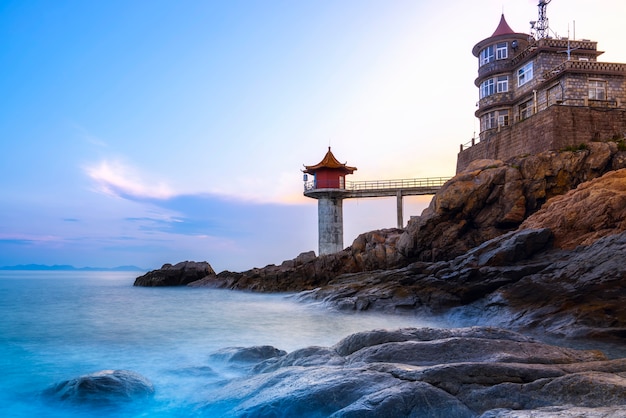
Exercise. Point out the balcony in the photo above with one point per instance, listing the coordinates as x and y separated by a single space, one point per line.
495 67
493 100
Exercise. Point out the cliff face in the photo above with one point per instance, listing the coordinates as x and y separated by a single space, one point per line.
491 197
582 216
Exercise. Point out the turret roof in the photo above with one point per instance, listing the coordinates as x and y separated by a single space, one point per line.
503 28
502 32
329 161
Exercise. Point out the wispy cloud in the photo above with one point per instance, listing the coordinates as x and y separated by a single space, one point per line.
120 179
28 239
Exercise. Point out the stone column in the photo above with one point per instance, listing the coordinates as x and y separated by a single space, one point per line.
399 203
330 224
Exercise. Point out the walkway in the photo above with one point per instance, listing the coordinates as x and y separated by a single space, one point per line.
381 188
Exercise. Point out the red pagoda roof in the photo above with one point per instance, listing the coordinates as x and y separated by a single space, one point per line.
329 161
503 28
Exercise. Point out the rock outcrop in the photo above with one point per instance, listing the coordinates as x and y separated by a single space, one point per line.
103 387
491 197
581 216
514 281
179 274
370 251
414 372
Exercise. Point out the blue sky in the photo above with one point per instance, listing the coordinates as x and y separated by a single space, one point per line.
145 132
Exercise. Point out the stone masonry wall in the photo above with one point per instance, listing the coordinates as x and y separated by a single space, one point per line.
552 129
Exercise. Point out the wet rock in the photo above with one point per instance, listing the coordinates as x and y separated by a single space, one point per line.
305 357
558 411
580 294
179 274
430 372
103 387
247 354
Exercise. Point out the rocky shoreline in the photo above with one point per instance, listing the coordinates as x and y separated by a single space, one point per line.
535 244
412 372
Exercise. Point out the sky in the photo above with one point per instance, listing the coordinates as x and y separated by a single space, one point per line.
144 132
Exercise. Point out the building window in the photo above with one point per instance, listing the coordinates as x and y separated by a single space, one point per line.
487 88
494 120
486 55
502 83
555 95
525 110
503 118
597 90
501 51
489 121
525 74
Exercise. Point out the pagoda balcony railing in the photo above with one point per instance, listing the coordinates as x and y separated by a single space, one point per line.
322 184
369 185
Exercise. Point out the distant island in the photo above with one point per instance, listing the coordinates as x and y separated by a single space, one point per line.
64 267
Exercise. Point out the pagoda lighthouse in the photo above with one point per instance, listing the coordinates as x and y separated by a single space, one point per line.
328 186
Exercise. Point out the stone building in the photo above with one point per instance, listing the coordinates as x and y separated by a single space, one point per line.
543 93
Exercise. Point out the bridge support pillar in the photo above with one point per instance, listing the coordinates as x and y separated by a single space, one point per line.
330 224
399 203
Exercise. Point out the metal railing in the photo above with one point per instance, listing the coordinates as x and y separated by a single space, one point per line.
378 184
396 184
322 184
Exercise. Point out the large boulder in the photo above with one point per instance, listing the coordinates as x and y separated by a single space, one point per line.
583 215
416 372
491 197
103 387
179 274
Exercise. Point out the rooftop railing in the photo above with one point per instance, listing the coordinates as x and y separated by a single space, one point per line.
397 184
586 67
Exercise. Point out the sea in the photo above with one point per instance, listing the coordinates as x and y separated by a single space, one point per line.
58 325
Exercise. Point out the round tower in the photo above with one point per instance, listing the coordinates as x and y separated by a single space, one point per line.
499 76
328 186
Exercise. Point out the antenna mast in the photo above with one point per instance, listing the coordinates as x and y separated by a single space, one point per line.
540 28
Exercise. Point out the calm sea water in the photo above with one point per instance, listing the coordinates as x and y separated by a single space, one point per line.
59 325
